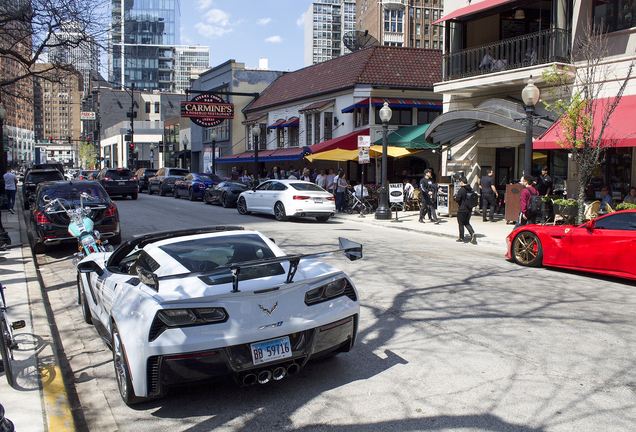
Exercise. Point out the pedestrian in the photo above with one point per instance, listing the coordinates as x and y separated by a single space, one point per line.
292 174
606 199
10 182
464 210
488 195
429 193
234 175
274 174
544 187
321 179
331 181
341 191
526 216
307 176
631 198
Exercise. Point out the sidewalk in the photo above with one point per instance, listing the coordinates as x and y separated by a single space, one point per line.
493 233
38 400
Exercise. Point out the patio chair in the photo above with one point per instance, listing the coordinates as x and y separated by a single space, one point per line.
591 212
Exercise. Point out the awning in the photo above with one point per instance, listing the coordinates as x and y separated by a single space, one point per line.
254 119
345 142
472 9
620 130
454 126
411 137
286 154
278 124
317 106
294 121
395 103
351 155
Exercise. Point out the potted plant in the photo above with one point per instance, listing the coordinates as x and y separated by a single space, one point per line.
625 206
565 207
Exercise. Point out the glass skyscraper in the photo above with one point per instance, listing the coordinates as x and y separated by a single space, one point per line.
142 41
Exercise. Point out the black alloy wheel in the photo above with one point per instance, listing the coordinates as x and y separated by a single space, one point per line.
162 191
279 212
224 201
191 196
241 206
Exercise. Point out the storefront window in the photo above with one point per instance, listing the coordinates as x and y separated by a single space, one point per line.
426 116
614 15
400 116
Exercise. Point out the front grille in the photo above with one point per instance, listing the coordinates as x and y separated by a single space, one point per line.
152 370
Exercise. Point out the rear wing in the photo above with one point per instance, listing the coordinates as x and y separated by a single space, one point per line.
352 250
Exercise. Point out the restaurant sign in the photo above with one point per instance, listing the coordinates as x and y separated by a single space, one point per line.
207 110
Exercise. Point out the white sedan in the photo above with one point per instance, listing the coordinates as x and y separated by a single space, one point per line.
288 198
207 303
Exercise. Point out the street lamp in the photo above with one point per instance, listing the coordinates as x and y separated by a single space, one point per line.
383 211
213 137
530 96
256 132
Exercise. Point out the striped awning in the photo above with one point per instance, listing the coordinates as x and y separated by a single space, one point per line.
294 121
395 103
278 124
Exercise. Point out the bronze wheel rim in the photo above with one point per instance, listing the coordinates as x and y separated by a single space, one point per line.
526 248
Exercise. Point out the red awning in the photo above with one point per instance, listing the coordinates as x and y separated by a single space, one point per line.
278 124
472 9
345 142
619 132
294 121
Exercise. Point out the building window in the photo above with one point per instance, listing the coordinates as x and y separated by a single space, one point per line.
426 44
425 116
316 128
157 107
293 133
427 14
418 14
361 116
328 125
615 15
222 131
434 44
435 14
418 29
417 43
308 129
401 116
426 29
280 137
393 21
147 107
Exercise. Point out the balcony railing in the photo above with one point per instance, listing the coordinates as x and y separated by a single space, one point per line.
547 46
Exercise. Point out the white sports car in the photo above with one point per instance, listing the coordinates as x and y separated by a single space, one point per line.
199 304
288 198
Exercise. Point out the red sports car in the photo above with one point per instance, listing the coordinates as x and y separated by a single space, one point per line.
605 245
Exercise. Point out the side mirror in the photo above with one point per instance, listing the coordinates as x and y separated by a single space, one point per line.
352 250
591 224
90 267
148 278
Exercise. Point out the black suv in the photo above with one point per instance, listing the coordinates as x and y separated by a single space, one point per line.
163 181
50 165
35 176
119 181
143 175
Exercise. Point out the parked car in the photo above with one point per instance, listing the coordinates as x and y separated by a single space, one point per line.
603 245
119 181
194 185
174 310
49 165
33 178
288 198
52 228
163 181
143 175
87 174
225 193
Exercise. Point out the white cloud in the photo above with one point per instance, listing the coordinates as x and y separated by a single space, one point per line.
300 22
205 4
217 16
274 39
211 31
264 21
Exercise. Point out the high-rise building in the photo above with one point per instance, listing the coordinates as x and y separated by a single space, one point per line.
191 61
402 23
326 22
73 47
142 44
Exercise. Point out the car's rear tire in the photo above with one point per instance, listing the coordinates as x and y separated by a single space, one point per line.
86 312
241 206
175 193
322 218
191 196
150 192
527 249
224 202
162 191
122 371
205 198
134 195
279 212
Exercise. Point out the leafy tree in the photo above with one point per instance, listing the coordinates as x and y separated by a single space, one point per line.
87 155
578 98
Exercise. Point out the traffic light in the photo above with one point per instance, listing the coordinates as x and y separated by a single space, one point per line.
88 139
51 138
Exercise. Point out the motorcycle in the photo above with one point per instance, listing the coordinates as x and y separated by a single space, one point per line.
81 227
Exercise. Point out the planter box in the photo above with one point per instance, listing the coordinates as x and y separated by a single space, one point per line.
566 210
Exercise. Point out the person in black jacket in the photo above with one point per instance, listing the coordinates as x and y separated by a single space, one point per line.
464 210
428 197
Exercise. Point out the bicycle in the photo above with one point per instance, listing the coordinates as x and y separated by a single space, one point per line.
7 342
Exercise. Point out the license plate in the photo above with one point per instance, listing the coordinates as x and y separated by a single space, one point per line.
318 200
121 183
263 352
88 240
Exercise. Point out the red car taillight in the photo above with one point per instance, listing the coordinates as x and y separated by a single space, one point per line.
108 179
301 197
331 199
112 211
41 219
133 179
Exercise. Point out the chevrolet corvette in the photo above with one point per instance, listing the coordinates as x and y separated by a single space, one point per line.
202 304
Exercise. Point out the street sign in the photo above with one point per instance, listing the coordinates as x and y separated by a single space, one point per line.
87 115
364 141
363 156
396 192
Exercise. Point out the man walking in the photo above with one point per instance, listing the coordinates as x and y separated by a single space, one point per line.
10 182
526 216
544 187
429 189
488 195
464 210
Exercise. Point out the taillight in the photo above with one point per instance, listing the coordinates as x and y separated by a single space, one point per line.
108 179
331 199
301 197
112 211
134 179
41 219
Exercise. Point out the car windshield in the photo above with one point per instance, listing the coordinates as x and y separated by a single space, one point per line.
207 253
42 177
72 192
179 172
118 174
307 187
204 178
238 185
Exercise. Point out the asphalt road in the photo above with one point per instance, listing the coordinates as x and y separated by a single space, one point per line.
452 337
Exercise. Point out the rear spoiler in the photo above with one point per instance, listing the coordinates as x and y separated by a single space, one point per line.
352 250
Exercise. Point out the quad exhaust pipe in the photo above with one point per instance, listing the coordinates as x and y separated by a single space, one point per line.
263 376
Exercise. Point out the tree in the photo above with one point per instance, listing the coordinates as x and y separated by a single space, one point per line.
87 155
28 30
578 94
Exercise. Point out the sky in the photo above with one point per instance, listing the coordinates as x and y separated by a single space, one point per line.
247 30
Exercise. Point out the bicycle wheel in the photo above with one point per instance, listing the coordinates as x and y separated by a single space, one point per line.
5 343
